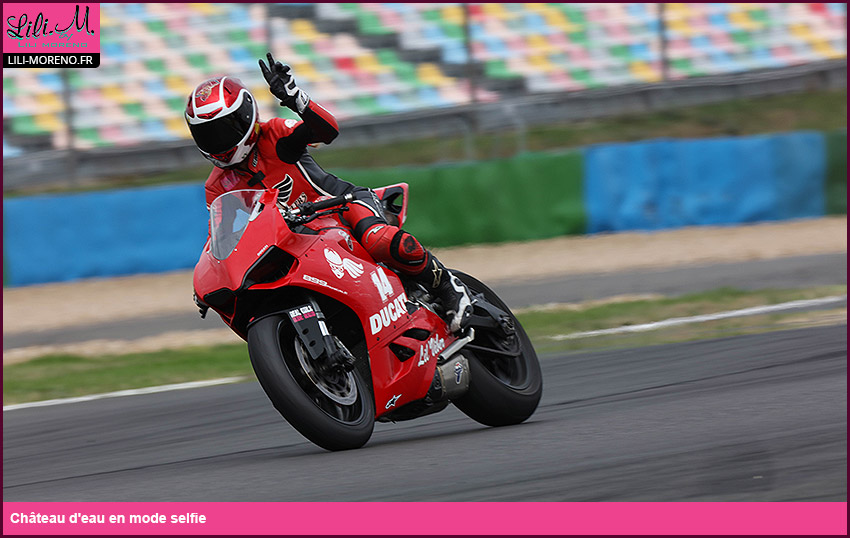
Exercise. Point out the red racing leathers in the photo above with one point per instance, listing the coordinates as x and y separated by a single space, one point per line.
281 160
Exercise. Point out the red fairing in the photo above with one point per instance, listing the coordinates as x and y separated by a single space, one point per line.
330 263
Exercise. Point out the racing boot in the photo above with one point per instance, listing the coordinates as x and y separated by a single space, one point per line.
452 293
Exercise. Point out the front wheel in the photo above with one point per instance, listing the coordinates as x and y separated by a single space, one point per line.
505 382
334 410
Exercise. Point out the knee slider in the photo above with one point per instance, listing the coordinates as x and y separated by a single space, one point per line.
395 247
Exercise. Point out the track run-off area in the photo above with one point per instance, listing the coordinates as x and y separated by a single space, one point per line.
748 418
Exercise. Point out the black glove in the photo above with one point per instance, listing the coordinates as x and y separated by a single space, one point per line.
282 85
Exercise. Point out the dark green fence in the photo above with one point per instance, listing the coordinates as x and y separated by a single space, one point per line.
532 196
836 172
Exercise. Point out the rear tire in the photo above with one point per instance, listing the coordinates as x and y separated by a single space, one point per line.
502 391
334 411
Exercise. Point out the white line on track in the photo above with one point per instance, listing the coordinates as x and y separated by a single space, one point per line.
129 392
705 317
628 328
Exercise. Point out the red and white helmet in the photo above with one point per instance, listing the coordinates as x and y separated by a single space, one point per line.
224 120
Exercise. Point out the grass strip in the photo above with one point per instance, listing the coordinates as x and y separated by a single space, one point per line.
64 376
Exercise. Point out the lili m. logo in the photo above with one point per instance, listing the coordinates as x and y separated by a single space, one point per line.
24 26
52 35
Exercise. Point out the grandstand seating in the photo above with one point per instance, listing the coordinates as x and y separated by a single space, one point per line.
364 59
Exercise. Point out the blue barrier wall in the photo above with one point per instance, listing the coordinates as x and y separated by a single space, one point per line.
58 238
647 185
670 183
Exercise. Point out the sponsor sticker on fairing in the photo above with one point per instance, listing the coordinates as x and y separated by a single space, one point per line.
388 314
382 284
340 265
301 313
324 283
431 348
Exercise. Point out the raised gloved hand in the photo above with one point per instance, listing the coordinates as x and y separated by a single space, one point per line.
282 85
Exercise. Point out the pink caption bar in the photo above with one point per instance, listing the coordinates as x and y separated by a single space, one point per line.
425 518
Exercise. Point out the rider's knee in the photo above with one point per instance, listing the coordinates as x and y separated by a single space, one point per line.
395 247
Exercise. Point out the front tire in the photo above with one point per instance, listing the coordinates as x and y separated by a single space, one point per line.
502 390
333 410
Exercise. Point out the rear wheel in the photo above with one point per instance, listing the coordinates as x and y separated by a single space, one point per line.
505 382
332 408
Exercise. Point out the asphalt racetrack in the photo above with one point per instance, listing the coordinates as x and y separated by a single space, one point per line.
752 418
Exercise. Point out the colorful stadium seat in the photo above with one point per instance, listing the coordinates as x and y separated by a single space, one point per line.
400 56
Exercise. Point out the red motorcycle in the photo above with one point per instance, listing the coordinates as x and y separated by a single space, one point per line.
338 341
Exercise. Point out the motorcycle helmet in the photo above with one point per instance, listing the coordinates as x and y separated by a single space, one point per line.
224 120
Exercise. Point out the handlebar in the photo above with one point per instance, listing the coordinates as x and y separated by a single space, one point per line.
308 208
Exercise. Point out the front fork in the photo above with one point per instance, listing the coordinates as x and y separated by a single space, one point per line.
326 352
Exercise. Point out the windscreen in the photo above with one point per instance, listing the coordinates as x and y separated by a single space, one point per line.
230 214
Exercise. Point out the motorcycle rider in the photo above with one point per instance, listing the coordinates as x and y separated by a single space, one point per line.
223 119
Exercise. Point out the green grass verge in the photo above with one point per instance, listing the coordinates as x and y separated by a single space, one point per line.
822 110
65 376
60 376
542 325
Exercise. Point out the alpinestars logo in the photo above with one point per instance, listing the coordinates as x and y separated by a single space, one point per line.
371 231
438 274
392 401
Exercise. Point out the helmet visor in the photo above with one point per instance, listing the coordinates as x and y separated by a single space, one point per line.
224 133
